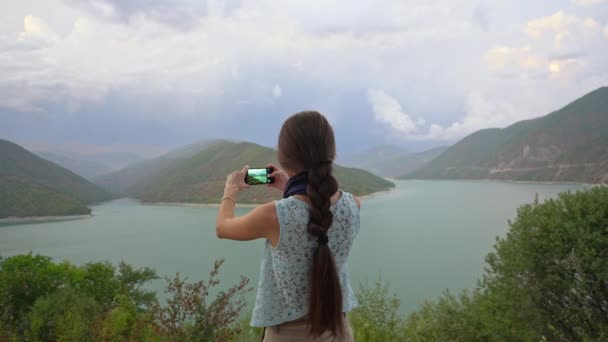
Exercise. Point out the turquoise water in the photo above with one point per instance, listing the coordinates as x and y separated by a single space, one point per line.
423 237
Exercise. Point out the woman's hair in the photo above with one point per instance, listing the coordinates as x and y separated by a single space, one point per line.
306 143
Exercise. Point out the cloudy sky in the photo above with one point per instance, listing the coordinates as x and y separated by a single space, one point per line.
151 75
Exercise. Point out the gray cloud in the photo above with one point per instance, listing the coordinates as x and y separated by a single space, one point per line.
180 71
179 14
481 16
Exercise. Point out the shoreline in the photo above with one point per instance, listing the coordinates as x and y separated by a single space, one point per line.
487 180
376 194
247 205
199 205
43 218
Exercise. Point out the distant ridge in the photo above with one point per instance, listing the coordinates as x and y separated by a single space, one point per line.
21 199
33 186
568 145
377 160
81 167
200 177
391 161
24 165
134 178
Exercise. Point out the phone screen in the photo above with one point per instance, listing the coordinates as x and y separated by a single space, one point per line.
258 176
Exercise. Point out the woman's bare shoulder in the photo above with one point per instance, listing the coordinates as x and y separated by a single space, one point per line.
357 200
269 208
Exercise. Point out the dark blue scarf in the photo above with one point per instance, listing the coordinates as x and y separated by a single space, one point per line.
296 185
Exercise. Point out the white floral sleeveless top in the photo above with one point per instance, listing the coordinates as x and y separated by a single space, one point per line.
283 289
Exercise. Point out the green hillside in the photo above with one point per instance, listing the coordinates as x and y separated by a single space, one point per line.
134 178
568 145
201 177
414 161
20 199
19 163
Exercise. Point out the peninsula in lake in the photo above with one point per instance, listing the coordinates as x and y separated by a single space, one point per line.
197 174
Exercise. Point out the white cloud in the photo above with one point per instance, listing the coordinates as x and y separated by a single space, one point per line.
451 76
481 113
505 57
557 45
556 51
587 2
387 110
136 52
277 91
106 9
562 27
525 62
35 28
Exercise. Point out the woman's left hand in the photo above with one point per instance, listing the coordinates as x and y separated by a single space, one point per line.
236 182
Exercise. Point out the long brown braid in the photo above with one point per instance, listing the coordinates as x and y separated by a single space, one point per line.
306 143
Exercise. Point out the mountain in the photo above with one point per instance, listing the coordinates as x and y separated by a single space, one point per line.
80 166
391 161
21 199
200 178
112 160
134 178
415 161
92 164
376 159
370 157
26 167
568 145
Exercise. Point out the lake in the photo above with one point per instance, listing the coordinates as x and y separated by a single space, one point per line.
422 238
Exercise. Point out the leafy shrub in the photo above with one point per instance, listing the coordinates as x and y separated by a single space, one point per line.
127 322
376 318
45 301
64 315
449 318
247 333
190 315
555 260
546 280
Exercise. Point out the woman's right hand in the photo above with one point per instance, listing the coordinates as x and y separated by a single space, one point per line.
280 177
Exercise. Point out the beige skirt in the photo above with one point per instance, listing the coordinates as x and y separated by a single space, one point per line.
297 331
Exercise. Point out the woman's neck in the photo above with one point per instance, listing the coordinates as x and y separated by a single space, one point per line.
334 198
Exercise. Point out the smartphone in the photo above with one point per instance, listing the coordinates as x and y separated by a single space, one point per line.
259 176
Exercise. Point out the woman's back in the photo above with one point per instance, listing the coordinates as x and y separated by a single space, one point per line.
304 281
284 286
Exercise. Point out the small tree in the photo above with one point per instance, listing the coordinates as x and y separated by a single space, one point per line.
190 315
376 318
64 315
555 259
546 280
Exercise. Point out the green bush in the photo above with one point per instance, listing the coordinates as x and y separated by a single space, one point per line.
554 262
45 301
246 333
546 280
190 315
450 318
127 322
376 318
64 315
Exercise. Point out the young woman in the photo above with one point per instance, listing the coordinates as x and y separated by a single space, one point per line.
304 289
